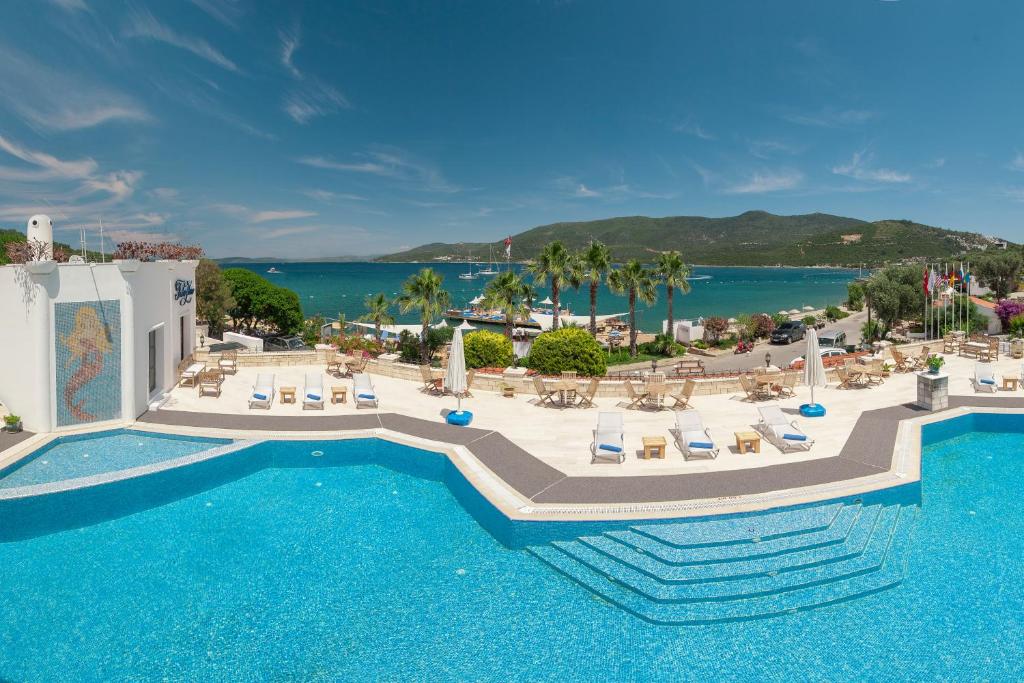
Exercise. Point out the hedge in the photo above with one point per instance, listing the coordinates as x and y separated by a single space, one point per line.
488 350
569 348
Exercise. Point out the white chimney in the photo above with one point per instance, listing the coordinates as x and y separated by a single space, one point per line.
40 228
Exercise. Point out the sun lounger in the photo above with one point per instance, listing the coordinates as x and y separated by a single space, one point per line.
313 392
984 378
692 437
784 434
609 440
546 395
363 391
262 392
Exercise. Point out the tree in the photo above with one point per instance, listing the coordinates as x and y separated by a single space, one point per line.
894 293
556 264
485 349
638 283
424 292
378 312
507 292
594 264
855 296
260 303
999 271
213 296
673 273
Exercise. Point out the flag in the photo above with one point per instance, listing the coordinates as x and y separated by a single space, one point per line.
508 247
926 280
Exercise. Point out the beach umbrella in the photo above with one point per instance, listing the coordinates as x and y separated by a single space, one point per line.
783 312
547 302
794 311
808 308
455 375
732 320
814 375
464 326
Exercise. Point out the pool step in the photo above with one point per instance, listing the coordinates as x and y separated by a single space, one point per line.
871 558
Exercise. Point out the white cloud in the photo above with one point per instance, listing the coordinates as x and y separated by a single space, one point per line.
858 168
119 184
388 162
227 12
584 191
290 42
764 149
265 216
71 5
312 100
1017 163
164 193
767 181
691 127
327 197
50 166
831 118
144 25
1014 193
277 233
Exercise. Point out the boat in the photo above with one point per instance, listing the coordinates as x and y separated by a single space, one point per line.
469 274
274 270
492 267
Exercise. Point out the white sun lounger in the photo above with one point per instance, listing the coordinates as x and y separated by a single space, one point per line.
783 433
692 437
984 377
363 391
262 392
608 438
313 392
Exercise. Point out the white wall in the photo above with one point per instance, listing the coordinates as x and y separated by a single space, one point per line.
254 344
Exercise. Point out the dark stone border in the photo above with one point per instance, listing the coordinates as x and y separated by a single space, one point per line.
868 451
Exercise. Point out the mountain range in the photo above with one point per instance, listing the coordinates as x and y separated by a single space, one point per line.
754 238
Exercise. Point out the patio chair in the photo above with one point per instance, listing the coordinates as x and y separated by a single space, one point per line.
950 344
586 399
922 358
984 378
431 384
753 390
313 391
210 382
903 364
692 437
786 388
682 397
782 433
363 391
546 395
847 380
609 439
262 392
334 366
358 365
228 362
470 376
636 398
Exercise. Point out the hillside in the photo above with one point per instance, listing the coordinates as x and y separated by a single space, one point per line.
754 238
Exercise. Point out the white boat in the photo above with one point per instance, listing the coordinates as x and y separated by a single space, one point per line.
469 274
272 269
492 267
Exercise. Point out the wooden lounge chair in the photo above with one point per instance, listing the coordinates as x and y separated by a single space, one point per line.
210 382
586 399
682 397
363 391
609 438
782 433
636 398
692 437
262 395
228 362
431 384
546 395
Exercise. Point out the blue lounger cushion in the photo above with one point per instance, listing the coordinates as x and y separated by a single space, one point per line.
795 437
259 397
707 445
369 397
609 447
313 397
987 381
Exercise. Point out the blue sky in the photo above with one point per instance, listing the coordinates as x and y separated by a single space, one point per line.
297 129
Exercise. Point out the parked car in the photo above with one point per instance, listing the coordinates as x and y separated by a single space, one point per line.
825 353
789 332
290 343
832 338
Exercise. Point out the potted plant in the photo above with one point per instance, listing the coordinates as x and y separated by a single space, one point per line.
934 363
12 424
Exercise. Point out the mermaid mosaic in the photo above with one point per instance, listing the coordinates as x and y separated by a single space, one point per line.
88 371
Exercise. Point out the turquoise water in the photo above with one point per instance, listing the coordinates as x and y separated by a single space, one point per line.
327 288
371 562
70 457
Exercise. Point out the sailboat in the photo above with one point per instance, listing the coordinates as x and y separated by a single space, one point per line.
469 274
492 267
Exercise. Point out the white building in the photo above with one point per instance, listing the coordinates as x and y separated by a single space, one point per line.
85 343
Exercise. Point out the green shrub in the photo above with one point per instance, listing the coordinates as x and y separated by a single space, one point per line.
486 349
700 344
779 319
663 345
854 297
810 320
409 343
568 349
1016 327
834 313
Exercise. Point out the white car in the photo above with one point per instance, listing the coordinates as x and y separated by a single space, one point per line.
825 353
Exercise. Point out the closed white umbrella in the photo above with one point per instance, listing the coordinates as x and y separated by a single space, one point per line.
455 375
814 375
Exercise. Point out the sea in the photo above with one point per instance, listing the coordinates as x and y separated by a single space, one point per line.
331 288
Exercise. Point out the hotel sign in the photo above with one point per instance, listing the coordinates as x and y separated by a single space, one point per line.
183 291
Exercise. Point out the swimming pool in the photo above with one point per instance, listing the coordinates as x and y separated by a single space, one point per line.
365 559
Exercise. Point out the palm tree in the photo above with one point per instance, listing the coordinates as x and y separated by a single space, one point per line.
423 292
507 292
378 312
639 283
673 272
594 264
556 263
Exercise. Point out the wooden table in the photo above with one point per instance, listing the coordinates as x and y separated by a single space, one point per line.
748 442
654 447
566 389
287 394
656 393
1011 383
339 392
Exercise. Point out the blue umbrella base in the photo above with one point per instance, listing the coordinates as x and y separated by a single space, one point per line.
462 418
812 410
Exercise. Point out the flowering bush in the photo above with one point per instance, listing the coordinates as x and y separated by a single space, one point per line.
714 328
24 252
1007 309
763 325
158 251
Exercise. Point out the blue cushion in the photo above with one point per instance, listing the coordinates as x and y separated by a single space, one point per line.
702 444
987 381
609 447
260 397
795 437
313 397
370 397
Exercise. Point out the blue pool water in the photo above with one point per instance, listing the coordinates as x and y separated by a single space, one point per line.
373 561
71 457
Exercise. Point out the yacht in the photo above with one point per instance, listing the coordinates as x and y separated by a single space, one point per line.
469 274
272 269
492 267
